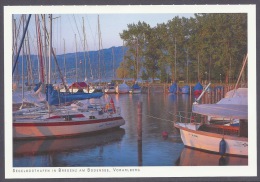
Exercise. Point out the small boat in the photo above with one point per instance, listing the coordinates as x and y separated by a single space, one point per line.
198 88
76 119
122 88
185 89
173 88
135 89
110 89
197 132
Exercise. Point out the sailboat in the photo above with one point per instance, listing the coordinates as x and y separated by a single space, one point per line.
110 88
185 89
122 88
76 119
213 137
198 88
201 133
135 89
173 88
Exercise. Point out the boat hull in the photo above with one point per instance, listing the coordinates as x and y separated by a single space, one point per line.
122 91
135 91
110 91
210 141
58 128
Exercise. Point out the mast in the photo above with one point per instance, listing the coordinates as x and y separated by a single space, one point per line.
41 70
29 63
45 48
198 67
65 68
99 42
76 59
175 59
240 74
137 57
85 64
50 50
113 63
20 46
187 68
23 16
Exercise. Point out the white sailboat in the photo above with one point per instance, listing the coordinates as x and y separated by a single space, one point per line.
77 119
203 135
200 132
122 88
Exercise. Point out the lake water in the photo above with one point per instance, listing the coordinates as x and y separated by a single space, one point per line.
121 147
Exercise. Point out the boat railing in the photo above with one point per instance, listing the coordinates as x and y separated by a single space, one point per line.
188 117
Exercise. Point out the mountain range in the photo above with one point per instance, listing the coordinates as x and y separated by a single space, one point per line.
102 64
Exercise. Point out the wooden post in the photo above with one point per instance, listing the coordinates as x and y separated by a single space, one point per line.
222 93
139 120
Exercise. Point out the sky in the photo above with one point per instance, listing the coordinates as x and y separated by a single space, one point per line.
65 26
113 20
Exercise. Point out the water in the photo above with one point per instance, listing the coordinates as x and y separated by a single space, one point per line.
121 147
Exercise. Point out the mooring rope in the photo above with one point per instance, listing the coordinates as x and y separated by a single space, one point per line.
159 118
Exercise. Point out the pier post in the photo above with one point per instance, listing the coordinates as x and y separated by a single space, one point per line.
222 93
139 120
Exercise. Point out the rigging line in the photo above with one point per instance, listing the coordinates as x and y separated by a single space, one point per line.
71 27
86 41
102 52
90 29
78 31
159 118
21 43
17 34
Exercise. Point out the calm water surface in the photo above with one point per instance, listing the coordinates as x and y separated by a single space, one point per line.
121 147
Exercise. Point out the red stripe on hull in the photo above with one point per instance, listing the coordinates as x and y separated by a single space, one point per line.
66 123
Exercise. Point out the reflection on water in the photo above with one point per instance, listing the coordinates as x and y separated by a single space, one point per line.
60 151
193 157
117 147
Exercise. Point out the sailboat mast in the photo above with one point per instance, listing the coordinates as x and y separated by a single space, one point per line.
45 48
113 63
187 68
175 59
65 69
99 74
198 67
23 16
50 50
137 58
76 59
20 46
85 64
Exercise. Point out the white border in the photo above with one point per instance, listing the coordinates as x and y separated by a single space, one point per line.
175 171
